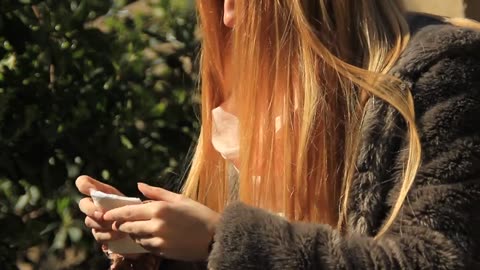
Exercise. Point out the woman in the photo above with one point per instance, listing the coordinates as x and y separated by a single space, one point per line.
354 130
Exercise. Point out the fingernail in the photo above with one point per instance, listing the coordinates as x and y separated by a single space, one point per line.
140 184
98 215
108 217
115 225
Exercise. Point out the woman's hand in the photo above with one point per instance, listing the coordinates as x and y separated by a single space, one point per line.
101 229
171 226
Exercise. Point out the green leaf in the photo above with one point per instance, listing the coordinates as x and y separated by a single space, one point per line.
159 109
75 234
22 203
35 195
8 62
60 239
6 187
105 174
126 142
50 227
62 205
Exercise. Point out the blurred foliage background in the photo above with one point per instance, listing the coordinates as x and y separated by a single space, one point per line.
97 87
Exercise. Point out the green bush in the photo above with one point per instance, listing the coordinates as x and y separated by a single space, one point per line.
95 87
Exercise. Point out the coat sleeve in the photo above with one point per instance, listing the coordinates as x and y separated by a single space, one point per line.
437 227
152 262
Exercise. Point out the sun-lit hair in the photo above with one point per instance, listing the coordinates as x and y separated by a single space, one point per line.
311 64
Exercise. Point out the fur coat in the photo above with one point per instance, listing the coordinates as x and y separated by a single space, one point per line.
439 224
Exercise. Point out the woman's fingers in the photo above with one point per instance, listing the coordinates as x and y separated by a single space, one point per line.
101 229
158 194
105 236
134 212
98 224
94 218
142 228
155 244
85 184
88 208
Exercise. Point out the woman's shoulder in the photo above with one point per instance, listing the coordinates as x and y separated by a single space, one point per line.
435 39
441 61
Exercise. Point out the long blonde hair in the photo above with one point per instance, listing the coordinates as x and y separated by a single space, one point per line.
310 64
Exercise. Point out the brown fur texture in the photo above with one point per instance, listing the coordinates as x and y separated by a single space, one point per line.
439 224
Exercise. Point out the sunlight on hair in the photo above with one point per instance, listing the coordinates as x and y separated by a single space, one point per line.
314 64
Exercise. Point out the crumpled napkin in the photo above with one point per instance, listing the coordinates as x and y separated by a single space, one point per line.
107 202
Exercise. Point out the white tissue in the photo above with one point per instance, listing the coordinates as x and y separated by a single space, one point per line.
107 202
